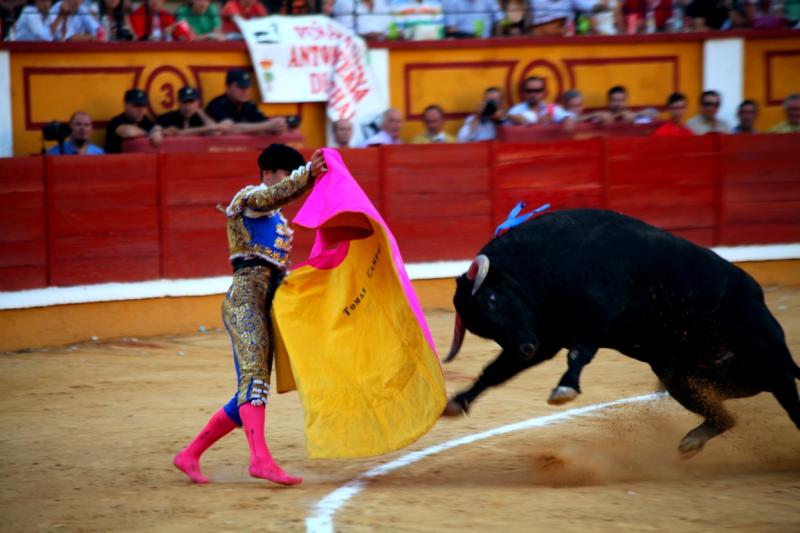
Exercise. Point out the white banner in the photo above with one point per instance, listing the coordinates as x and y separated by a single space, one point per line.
313 59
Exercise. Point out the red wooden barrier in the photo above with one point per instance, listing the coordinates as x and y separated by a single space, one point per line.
74 220
566 174
436 199
103 218
760 188
556 132
668 182
23 236
208 144
193 237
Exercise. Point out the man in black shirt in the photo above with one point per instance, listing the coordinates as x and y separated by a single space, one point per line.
131 123
235 107
189 118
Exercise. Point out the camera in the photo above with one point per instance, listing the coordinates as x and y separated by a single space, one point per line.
55 131
489 109
293 121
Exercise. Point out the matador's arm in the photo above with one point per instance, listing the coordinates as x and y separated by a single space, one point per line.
266 198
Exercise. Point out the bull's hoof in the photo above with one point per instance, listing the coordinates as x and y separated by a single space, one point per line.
691 446
453 408
562 395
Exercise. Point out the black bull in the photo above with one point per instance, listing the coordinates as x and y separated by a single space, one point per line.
587 279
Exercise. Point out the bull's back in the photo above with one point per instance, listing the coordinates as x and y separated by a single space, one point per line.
632 265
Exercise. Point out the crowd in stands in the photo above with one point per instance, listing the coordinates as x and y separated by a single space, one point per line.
155 20
234 113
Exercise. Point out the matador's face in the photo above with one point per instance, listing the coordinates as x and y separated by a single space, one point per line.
271 177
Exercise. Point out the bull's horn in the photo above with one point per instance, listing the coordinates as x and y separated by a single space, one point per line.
477 272
458 339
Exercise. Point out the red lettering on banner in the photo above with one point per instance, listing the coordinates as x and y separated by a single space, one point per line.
319 83
312 56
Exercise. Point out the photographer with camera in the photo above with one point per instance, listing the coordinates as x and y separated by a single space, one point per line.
132 123
73 138
482 125
235 109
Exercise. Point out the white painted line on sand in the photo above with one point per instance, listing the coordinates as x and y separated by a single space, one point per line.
321 518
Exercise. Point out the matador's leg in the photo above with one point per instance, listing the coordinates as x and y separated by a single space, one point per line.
246 316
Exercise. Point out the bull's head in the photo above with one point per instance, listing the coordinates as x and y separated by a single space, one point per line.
493 305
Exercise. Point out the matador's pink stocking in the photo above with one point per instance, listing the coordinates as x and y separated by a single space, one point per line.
188 460
261 463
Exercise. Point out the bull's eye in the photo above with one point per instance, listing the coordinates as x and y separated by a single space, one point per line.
492 302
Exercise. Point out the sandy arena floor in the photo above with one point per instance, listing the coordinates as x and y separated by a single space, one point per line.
87 434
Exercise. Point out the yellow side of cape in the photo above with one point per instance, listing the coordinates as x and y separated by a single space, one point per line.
368 380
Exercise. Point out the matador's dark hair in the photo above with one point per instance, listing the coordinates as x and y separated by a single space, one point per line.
280 157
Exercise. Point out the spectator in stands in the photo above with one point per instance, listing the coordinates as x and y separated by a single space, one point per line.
115 20
72 21
662 12
368 18
791 10
616 111
551 17
791 107
606 18
246 9
514 21
10 11
203 18
472 18
391 122
707 121
709 14
158 28
482 126
189 118
747 113
533 110
132 123
78 142
676 105
571 112
236 107
342 133
433 117
34 22
765 14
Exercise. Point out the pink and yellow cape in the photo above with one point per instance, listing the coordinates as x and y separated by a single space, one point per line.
350 333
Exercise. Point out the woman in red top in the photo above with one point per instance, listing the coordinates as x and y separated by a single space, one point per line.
246 9
159 26
676 104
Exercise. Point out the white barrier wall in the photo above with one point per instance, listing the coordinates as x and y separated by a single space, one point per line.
723 71
6 144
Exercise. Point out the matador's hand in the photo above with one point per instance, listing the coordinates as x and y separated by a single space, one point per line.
318 166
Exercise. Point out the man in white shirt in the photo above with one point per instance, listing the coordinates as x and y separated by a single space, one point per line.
549 17
368 18
72 21
391 123
34 22
472 18
533 110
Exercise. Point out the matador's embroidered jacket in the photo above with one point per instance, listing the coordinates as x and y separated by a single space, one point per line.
256 227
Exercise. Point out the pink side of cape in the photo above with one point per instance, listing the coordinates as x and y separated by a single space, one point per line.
336 192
